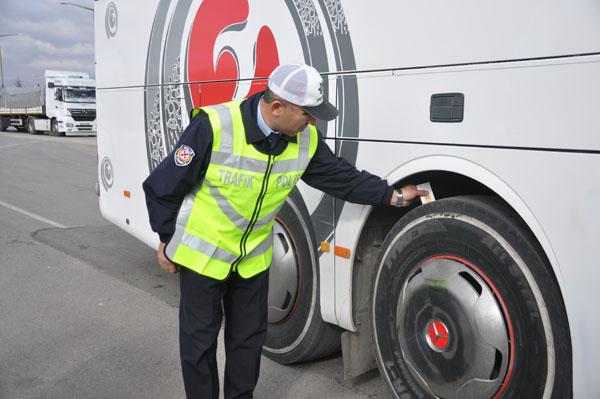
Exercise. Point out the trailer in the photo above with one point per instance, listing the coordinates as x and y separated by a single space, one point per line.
490 290
66 104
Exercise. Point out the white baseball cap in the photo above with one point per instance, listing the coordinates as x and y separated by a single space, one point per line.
302 85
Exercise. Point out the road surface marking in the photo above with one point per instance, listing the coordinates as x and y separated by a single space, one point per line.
17 144
33 215
79 140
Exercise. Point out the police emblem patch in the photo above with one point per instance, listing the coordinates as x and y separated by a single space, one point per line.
184 155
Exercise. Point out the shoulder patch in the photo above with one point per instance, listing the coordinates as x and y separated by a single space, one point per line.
183 155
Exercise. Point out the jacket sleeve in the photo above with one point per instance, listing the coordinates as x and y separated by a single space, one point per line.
171 181
339 178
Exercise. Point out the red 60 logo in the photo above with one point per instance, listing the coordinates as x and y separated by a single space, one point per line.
205 62
204 52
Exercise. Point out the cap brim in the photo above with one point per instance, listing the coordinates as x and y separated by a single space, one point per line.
324 111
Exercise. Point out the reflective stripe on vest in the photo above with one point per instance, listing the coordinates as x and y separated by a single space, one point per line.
226 222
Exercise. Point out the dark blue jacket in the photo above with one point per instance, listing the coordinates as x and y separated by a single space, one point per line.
168 183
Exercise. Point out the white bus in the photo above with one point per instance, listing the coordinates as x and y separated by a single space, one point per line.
489 291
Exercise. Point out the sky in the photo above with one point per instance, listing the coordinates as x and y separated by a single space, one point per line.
53 36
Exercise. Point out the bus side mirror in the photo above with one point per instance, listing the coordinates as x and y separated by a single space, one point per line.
51 85
58 95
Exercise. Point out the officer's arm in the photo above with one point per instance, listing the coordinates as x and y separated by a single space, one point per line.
176 176
339 178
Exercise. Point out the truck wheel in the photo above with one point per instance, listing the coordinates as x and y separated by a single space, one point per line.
54 128
464 306
296 331
4 123
31 126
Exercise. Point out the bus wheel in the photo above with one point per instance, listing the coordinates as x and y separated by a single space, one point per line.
464 306
296 331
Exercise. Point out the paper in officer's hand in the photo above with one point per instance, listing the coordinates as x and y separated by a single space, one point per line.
428 198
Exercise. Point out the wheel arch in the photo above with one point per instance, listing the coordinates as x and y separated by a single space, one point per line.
476 179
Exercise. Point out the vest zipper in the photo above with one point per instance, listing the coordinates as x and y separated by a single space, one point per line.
254 218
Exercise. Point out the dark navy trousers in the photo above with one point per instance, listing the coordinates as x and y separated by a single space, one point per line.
203 301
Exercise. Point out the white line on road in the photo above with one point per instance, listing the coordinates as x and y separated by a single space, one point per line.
14 145
33 215
79 140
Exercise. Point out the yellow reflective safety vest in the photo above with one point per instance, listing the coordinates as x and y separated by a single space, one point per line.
225 224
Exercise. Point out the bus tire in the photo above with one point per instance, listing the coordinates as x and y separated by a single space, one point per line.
296 332
481 314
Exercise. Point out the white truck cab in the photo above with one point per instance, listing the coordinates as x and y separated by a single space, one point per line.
70 103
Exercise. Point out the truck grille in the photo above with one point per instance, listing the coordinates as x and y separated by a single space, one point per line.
82 114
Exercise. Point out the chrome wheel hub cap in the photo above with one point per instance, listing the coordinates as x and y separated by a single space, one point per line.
452 331
283 275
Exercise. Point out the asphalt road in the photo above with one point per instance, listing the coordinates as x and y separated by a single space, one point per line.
85 312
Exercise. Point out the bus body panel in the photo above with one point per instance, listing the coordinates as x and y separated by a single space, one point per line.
529 131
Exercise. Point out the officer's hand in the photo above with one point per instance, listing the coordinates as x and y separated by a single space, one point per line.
165 263
409 193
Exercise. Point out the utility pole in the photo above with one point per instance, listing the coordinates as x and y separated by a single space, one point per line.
1 62
1 69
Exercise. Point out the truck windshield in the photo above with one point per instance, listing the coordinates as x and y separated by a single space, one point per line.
80 95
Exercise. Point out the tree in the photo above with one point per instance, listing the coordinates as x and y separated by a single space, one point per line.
18 82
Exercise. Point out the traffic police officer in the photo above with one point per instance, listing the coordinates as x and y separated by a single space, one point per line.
213 202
